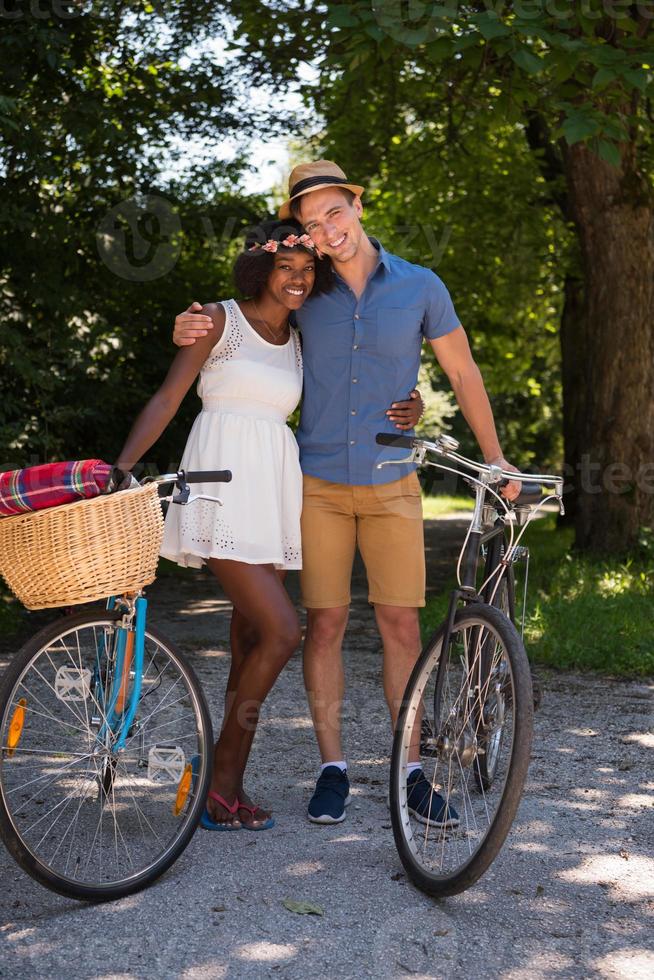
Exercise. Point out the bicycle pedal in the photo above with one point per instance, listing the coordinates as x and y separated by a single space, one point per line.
166 763
73 684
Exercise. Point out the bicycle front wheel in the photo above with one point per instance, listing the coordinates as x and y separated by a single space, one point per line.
501 595
81 816
448 828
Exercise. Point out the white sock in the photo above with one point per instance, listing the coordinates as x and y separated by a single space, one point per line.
412 766
342 765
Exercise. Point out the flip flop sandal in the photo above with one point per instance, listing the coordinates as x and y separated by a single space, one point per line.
209 824
266 825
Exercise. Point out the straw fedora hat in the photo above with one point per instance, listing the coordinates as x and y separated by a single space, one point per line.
307 177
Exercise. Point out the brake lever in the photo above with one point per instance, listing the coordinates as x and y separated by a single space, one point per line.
417 456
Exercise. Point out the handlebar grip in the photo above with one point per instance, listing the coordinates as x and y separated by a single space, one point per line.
530 493
398 442
208 476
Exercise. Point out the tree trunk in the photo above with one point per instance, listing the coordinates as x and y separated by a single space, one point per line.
573 383
613 210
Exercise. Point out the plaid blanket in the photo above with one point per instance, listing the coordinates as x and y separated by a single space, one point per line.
52 484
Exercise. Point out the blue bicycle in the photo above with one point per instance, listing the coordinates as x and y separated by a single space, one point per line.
106 746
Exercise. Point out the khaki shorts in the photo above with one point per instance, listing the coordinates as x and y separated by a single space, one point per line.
384 521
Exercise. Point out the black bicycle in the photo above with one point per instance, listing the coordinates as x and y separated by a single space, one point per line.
467 713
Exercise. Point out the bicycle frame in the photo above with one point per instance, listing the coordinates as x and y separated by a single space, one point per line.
481 478
120 706
119 710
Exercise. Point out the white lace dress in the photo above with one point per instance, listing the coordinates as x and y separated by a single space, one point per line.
248 388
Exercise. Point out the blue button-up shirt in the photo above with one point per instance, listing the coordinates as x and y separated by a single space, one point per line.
359 357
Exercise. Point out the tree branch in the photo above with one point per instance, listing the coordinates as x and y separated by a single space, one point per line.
549 162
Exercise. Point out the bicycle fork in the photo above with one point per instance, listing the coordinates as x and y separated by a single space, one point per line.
122 702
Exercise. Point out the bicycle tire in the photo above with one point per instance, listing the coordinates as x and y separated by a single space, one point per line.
501 805
118 790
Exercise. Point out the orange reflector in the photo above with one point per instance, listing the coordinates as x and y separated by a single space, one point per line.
183 790
16 727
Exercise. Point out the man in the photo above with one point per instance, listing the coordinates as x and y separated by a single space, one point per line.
361 345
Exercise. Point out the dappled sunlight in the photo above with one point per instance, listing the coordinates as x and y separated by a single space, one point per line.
126 904
632 964
535 828
18 934
549 964
637 801
628 878
349 839
209 970
646 739
304 868
264 952
211 654
530 847
595 794
300 721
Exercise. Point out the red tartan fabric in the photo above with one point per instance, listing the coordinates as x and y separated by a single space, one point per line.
51 484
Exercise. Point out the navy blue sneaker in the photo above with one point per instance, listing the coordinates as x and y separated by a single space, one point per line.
426 804
332 795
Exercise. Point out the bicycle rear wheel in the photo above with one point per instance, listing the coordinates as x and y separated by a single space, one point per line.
80 817
448 699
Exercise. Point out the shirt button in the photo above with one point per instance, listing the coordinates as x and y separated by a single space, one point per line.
356 316
356 347
354 380
353 412
351 442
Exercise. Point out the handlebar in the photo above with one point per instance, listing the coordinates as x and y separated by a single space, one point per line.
399 442
207 476
182 477
489 473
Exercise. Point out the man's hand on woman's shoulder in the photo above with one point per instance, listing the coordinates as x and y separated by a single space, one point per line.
191 324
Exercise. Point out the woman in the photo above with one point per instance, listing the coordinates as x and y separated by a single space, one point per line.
250 367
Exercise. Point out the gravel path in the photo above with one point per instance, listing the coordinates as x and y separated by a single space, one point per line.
571 894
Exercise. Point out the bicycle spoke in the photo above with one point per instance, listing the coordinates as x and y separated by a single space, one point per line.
464 720
93 818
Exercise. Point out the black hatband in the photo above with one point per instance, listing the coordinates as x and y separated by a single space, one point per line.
303 185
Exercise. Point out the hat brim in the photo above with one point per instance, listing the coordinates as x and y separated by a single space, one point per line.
285 210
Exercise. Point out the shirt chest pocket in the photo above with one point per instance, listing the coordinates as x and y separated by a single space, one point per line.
398 329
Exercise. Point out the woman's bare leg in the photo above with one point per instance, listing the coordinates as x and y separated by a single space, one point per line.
243 639
262 601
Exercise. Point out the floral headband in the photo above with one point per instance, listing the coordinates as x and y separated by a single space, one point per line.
290 242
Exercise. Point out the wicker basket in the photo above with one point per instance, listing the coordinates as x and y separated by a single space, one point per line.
83 551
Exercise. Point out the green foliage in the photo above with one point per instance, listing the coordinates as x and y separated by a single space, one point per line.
442 505
583 613
98 251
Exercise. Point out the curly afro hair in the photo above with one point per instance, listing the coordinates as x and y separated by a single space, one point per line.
252 269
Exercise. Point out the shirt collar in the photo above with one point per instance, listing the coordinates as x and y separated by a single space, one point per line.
383 258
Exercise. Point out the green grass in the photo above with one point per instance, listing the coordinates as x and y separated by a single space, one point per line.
443 504
583 613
